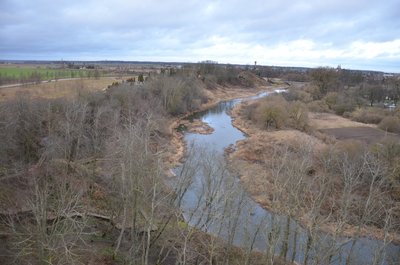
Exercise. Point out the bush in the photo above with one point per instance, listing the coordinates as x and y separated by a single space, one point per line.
276 112
343 104
318 106
331 99
339 102
343 108
388 152
313 90
368 115
351 148
390 124
178 93
298 114
270 112
297 94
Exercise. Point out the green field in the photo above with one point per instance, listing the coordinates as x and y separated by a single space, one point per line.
32 74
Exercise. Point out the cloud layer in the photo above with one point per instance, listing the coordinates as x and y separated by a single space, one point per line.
353 33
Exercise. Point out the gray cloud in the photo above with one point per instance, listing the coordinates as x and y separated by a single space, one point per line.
299 32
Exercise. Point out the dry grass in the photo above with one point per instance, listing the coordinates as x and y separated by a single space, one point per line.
64 88
251 154
367 135
327 121
252 157
196 126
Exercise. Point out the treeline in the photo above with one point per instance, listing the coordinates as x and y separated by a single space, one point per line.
301 74
360 99
213 74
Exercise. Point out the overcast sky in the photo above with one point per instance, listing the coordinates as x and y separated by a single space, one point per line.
358 34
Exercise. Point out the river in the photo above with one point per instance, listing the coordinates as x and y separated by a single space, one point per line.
215 202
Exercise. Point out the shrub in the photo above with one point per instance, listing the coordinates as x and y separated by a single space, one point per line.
331 99
210 81
140 78
178 94
390 124
270 112
394 179
313 90
318 106
249 110
343 108
296 94
351 148
298 114
343 105
340 102
368 115
276 112
388 150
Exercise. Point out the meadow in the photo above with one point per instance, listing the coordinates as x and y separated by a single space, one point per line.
30 73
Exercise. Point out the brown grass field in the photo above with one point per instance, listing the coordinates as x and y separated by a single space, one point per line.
320 121
364 134
57 89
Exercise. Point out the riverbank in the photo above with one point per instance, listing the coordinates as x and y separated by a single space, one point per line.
177 146
252 157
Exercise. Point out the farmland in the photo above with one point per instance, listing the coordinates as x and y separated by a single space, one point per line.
31 73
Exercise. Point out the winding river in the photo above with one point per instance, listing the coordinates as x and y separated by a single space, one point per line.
215 202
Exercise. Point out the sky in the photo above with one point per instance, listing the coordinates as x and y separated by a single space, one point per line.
356 34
